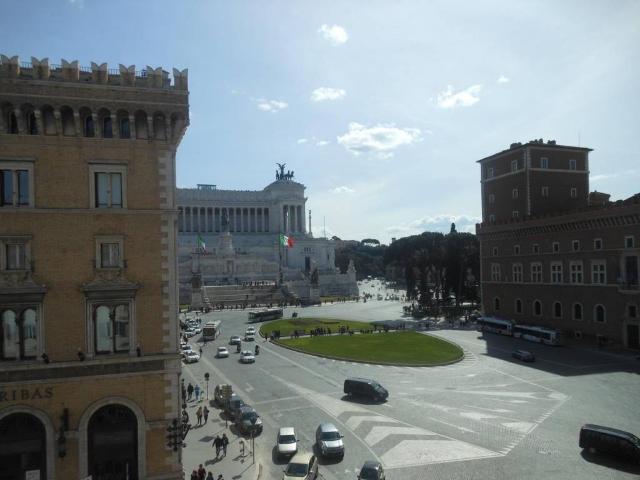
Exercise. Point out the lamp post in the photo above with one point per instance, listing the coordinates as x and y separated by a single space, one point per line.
206 379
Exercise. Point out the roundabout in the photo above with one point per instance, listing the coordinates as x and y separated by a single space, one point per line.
362 342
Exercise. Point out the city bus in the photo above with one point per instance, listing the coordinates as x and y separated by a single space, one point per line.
266 314
495 325
532 333
211 330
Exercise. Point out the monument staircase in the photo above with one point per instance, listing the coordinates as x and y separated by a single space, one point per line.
240 294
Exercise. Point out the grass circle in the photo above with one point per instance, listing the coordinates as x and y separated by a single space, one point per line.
392 348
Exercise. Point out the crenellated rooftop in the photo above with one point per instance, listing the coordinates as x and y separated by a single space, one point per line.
12 67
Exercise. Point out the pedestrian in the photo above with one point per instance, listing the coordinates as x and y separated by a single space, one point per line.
225 442
201 472
209 476
220 477
189 391
199 415
194 475
217 443
197 392
205 413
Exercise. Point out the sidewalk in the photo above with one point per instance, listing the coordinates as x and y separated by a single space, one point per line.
199 448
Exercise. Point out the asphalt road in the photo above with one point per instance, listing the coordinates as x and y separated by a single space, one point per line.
489 416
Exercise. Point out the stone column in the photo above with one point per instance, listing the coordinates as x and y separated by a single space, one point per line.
39 123
150 132
115 127
58 119
132 132
22 127
242 230
77 123
96 128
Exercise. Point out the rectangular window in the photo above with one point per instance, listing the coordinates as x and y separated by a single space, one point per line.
111 325
574 192
516 249
555 247
109 255
544 162
515 214
575 272
492 198
495 272
598 272
536 273
108 190
632 311
572 164
597 244
629 241
514 193
19 334
15 185
16 256
492 218
575 245
556 272
514 165
494 251
490 172
535 248
545 192
517 272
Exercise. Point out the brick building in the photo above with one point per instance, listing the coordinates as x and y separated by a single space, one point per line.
89 364
553 254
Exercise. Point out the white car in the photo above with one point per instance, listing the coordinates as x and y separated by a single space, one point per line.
190 332
251 330
249 337
191 357
286 442
247 357
186 348
222 352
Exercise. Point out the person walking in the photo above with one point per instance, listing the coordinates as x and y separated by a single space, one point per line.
194 475
189 391
201 472
197 392
225 442
209 476
220 477
199 415
205 413
217 443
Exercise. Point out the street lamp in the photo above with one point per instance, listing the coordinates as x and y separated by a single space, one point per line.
206 379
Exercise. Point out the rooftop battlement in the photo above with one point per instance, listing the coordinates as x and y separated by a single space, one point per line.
12 67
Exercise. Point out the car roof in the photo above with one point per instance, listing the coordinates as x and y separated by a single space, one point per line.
245 352
372 464
222 348
286 431
327 427
301 457
609 430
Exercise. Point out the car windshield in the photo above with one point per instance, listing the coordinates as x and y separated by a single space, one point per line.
330 436
251 416
297 469
287 439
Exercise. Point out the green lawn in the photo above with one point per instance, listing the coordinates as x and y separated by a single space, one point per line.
393 347
288 325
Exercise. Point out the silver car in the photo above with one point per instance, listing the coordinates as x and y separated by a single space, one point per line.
286 443
329 440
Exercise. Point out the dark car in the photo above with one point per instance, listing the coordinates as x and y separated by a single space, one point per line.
248 420
371 470
233 404
363 387
523 355
611 441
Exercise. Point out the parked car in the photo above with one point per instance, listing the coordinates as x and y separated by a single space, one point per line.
251 330
286 442
363 387
191 357
371 470
247 357
249 337
329 440
303 466
610 441
220 394
186 348
248 420
233 404
222 352
235 340
523 355
190 332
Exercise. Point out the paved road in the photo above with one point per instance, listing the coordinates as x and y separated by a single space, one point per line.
488 416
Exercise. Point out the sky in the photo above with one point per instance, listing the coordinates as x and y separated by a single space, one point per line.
381 108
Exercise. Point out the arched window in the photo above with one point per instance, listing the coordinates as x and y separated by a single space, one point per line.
107 131
88 126
68 122
557 310
518 305
599 314
32 124
19 332
537 308
22 446
124 126
113 444
111 328
577 311
496 304
12 123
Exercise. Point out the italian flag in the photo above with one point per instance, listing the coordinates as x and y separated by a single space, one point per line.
201 245
286 241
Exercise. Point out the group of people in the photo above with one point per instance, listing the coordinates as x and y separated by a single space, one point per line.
202 474
190 392
202 413
220 443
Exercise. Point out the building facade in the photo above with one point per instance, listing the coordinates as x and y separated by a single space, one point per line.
571 260
89 370
231 237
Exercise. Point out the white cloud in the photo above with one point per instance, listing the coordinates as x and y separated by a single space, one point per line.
503 79
381 139
326 93
272 106
463 98
336 34
322 143
437 223
300 141
609 176
343 189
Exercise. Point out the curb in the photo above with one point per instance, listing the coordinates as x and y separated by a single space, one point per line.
390 364
259 471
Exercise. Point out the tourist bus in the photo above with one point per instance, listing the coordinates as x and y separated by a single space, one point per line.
495 325
211 330
266 314
532 333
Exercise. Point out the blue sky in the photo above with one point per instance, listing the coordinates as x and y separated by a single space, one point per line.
380 107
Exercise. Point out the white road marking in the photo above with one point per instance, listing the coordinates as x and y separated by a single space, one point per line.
476 415
379 433
355 421
410 453
249 387
521 427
